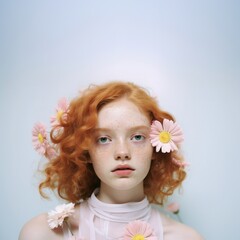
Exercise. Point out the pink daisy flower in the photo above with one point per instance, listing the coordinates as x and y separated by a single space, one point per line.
61 111
165 136
56 217
139 230
39 138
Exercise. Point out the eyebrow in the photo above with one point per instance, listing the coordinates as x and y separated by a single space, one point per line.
129 129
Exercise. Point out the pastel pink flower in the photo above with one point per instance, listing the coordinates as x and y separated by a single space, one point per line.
173 207
165 136
139 230
61 111
56 217
182 164
50 152
39 138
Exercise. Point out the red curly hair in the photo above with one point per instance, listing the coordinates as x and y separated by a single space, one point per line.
71 172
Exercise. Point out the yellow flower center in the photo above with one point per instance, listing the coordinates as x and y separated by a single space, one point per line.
59 114
138 237
164 137
40 138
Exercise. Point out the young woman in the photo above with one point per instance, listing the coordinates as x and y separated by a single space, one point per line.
113 152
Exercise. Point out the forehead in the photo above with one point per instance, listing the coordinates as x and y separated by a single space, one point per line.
121 113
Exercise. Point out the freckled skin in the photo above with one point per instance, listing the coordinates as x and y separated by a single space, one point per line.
122 138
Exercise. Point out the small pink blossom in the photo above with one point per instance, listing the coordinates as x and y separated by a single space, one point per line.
50 152
61 110
56 217
39 138
139 230
165 136
180 163
173 207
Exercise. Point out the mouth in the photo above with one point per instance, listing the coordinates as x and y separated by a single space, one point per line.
123 170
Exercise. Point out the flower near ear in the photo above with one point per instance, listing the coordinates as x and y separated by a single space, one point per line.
139 230
165 136
61 111
39 138
41 143
59 215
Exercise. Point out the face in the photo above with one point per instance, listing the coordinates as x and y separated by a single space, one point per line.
121 151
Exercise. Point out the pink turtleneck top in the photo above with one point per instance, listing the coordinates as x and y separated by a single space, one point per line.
103 221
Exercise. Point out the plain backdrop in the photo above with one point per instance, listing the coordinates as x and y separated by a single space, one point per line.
186 53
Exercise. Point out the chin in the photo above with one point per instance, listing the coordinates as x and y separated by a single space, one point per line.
126 184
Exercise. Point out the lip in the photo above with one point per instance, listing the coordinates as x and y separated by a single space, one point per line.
123 170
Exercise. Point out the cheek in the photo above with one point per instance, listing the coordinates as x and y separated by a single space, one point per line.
144 158
98 158
144 151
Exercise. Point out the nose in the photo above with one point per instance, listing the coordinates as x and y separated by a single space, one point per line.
122 151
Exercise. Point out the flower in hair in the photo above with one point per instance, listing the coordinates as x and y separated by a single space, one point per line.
39 135
61 111
50 152
41 143
39 138
182 164
165 136
139 230
59 215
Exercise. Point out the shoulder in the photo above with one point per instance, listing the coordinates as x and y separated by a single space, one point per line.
37 229
175 230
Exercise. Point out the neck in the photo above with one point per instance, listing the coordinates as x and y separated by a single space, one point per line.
115 196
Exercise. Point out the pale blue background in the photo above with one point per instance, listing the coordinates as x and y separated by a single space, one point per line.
186 53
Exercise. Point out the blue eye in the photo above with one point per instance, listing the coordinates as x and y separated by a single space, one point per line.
103 140
138 138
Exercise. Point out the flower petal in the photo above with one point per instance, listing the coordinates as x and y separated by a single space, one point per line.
57 216
139 228
157 125
168 126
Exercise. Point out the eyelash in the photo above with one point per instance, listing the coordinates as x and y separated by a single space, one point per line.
101 138
138 135
107 139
